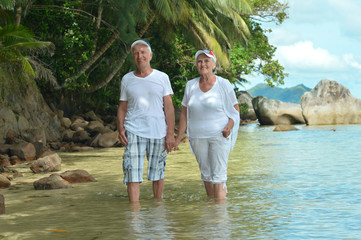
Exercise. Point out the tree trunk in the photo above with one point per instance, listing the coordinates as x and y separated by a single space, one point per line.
98 22
18 15
110 76
96 56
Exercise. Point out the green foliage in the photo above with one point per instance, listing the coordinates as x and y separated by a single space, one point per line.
292 94
270 10
257 57
243 108
71 35
175 28
16 73
176 58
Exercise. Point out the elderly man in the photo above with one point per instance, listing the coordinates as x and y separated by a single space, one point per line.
145 122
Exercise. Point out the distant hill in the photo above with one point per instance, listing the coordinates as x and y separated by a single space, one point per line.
292 95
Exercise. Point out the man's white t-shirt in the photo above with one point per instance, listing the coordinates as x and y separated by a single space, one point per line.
145 116
206 114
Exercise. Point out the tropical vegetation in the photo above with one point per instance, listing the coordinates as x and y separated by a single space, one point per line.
76 51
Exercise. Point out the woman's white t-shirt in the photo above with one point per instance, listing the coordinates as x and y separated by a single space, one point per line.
145 116
206 115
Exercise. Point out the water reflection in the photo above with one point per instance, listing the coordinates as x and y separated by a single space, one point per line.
282 185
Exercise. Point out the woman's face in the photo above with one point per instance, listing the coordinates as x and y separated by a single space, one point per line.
205 64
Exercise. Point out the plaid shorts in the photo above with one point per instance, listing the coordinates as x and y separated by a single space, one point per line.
134 157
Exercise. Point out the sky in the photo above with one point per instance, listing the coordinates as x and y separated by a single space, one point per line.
321 39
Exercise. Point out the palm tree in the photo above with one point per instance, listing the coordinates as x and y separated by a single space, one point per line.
209 23
7 4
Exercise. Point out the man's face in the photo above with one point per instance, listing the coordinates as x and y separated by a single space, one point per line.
141 55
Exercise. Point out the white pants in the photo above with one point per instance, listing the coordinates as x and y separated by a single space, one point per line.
212 157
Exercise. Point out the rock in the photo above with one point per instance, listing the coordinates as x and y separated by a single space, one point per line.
25 151
8 122
4 182
91 116
66 122
330 103
68 135
41 150
94 127
54 181
50 163
4 160
79 123
284 128
10 137
15 160
2 204
5 148
33 135
108 139
274 112
81 136
77 176
246 98
81 149
26 109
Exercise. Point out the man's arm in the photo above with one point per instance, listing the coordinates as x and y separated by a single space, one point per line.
122 111
169 118
182 127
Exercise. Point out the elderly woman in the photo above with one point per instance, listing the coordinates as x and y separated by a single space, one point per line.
210 114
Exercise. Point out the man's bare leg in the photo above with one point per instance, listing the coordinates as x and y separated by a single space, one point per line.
158 187
133 191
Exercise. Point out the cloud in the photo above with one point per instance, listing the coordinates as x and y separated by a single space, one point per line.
281 36
351 61
304 56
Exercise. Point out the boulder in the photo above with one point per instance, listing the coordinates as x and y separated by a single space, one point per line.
5 148
15 160
275 112
77 176
66 122
108 140
4 161
4 182
330 103
245 101
51 163
91 116
8 122
25 151
81 136
41 150
10 137
94 127
76 148
68 135
34 135
54 181
283 128
78 124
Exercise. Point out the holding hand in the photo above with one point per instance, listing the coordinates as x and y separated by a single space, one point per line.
122 138
169 142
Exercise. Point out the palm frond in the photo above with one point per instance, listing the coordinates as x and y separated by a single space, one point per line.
42 72
7 4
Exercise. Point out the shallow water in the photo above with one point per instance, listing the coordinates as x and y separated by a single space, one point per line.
281 185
